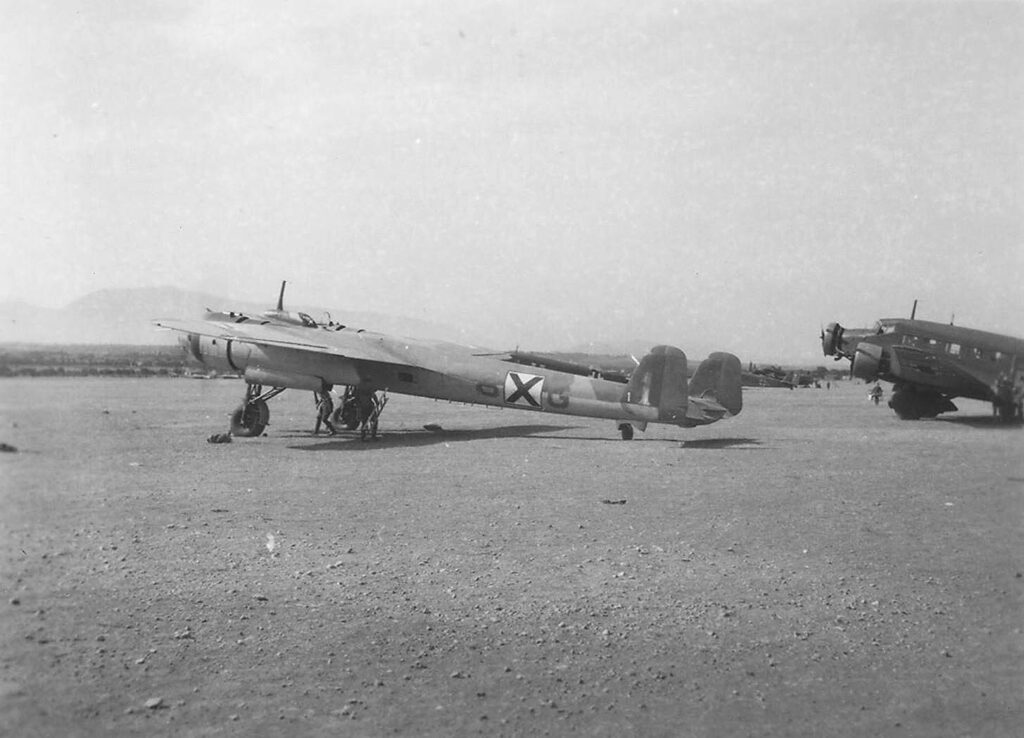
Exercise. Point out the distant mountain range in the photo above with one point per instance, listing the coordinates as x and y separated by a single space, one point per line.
123 316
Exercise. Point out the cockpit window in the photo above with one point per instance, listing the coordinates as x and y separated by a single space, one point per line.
307 320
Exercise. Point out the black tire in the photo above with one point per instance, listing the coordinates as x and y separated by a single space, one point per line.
626 429
250 420
349 416
1007 412
904 406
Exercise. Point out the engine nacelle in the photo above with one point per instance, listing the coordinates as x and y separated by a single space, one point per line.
291 380
219 354
867 361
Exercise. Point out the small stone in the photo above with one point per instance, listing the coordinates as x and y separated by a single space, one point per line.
154 703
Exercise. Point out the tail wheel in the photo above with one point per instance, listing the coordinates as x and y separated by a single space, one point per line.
626 429
250 419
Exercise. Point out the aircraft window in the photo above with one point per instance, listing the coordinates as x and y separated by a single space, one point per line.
307 320
997 356
954 349
978 353
887 329
910 340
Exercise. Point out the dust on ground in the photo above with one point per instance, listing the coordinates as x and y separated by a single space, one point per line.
814 566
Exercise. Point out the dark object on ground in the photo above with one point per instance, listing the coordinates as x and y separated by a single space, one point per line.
613 502
8 448
219 438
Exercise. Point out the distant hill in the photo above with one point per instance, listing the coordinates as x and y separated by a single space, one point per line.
123 316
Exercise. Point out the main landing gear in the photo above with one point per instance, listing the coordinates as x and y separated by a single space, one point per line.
912 403
1008 412
360 408
252 417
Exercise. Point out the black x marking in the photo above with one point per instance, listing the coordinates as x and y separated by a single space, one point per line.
523 390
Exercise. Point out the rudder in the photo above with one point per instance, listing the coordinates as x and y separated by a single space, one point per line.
719 377
660 381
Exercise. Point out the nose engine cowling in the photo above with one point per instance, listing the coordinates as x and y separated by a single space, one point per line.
831 339
868 361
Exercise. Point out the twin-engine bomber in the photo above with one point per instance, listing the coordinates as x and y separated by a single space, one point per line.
279 350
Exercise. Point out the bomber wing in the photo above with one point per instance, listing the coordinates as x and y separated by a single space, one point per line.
345 343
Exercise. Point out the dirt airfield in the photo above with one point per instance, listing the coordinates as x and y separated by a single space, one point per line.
812 567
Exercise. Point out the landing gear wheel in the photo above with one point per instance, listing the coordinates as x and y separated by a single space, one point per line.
626 429
347 415
1007 412
904 406
250 419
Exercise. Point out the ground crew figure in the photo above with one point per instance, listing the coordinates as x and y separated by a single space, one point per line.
368 407
365 403
876 393
324 408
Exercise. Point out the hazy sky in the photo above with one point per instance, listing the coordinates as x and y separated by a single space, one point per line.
714 175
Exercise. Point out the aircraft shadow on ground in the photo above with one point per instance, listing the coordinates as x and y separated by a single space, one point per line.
980 421
424 437
736 444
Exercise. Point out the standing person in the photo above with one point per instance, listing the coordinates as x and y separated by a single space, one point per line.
324 408
876 393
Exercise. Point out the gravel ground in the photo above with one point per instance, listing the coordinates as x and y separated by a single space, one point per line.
812 567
